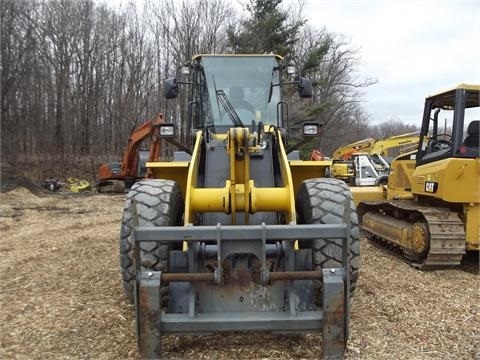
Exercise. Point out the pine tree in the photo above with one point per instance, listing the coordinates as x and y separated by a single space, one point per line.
266 30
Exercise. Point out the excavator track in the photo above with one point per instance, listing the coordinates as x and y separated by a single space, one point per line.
428 237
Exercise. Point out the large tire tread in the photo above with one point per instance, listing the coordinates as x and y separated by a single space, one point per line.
158 203
324 201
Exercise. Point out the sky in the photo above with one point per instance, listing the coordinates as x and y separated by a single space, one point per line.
412 48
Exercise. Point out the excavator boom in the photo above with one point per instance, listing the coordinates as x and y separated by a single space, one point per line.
366 162
392 146
118 175
345 152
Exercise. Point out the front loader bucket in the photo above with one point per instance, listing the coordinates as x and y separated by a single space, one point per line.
242 278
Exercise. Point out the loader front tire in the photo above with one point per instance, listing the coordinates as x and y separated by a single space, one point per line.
325 201
158 203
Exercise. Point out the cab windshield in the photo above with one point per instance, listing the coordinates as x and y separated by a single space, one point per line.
250 83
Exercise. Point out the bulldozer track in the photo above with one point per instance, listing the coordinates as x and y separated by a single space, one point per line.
445 233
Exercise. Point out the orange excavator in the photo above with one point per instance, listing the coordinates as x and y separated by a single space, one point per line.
116 176
317 155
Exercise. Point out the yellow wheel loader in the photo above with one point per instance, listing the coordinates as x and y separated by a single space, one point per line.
238 233
430 207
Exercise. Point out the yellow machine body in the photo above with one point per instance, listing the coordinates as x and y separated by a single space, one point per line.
239 193
237 233
430 207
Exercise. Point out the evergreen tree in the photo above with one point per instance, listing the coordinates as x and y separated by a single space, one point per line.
266 30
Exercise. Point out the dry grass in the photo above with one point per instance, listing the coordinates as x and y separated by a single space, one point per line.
62 298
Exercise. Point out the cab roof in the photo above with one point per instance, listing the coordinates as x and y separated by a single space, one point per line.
446 98
199 56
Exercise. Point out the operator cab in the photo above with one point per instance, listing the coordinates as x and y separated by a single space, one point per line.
238 91
250 87
450 127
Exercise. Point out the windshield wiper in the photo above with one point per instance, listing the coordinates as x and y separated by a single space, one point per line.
227 105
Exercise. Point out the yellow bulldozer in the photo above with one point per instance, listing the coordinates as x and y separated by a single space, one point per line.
430 207
237 233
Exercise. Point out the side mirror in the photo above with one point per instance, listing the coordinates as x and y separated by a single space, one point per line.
305 88
170 88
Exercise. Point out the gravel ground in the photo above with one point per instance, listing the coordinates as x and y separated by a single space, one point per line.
62 298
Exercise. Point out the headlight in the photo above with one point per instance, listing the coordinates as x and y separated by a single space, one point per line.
291 70
310 129
166 130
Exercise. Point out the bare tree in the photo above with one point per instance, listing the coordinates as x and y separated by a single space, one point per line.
392 127
187 28
77 77
17 55
332 64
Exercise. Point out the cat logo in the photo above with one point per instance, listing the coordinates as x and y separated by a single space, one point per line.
431 186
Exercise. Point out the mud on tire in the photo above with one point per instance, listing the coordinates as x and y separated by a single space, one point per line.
323 201
158 203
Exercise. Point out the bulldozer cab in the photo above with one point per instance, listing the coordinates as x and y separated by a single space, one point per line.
450 127
237 90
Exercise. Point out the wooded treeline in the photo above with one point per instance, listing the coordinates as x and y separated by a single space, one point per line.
78 75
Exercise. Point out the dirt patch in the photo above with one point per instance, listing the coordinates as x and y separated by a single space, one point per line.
30 174
62 297
12 178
